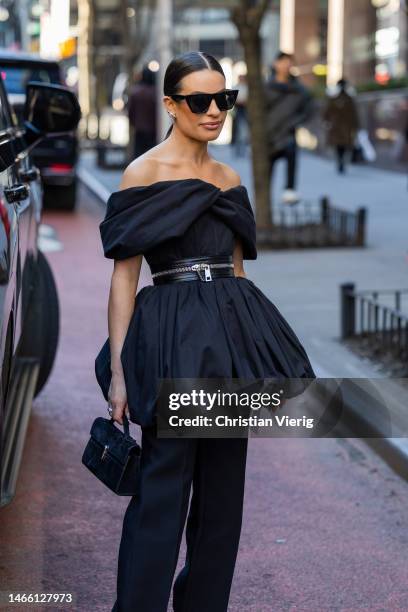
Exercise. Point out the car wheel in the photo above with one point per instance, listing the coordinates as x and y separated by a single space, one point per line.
48 319
60 197
41 326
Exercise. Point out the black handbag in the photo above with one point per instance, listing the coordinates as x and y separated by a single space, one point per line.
113 456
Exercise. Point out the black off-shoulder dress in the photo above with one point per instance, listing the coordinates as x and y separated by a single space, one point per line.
223 328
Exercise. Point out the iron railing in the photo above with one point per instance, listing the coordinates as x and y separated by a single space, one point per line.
383 324
314 224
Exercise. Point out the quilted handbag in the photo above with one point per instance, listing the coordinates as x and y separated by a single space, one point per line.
113 456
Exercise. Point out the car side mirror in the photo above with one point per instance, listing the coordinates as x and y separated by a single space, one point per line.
49 110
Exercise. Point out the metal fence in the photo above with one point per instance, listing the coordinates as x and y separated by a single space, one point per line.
382 323
314 224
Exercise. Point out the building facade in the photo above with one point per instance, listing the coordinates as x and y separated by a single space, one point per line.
362 40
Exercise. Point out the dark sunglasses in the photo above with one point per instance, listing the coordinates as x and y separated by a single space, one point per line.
200 102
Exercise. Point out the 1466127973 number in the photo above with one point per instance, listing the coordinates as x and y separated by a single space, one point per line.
7 597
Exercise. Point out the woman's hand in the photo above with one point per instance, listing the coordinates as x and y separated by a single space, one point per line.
117 398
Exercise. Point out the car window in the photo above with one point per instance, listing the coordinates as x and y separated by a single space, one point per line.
15 78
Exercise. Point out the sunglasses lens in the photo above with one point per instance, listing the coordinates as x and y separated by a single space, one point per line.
199 103
226 100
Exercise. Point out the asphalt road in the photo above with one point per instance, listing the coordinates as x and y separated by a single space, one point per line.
325 521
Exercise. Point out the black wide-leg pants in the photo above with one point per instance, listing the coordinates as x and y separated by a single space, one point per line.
154 521
289 153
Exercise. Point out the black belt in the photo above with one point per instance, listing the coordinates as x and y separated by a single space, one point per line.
194 268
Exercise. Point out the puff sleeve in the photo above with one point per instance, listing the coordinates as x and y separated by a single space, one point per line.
235 209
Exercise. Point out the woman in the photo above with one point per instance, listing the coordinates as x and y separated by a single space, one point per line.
178 206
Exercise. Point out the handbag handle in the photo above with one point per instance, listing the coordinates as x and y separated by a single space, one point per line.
125 424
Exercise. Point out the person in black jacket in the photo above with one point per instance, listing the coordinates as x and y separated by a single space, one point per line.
288 105
342 122
142 112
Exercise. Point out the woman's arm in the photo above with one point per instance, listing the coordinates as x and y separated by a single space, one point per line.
124 282
237 258
122 296
125 278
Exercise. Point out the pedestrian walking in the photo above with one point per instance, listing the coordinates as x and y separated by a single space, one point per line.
239 138
142 112
288 105
342 122
179 207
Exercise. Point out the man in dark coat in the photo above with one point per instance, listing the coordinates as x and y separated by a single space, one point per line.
288 104
342 122
142 112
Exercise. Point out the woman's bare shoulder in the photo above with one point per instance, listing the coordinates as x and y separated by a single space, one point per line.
228 176
142 171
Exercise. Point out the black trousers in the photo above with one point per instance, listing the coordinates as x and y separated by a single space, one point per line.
154 521
289 153
238 129
340 155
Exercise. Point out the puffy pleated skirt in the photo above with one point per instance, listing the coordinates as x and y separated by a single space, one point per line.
223 328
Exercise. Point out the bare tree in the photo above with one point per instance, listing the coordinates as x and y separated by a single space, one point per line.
85 41
137 19
247 17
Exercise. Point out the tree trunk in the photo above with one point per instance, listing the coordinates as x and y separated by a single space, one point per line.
248 21
85 63
256 116
134 39
136 31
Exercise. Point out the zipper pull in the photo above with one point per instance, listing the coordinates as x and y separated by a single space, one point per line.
207 272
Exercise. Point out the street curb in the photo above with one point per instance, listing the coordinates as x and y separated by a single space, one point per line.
95 186
368 418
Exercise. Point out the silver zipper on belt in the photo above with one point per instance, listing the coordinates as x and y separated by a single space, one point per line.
196 268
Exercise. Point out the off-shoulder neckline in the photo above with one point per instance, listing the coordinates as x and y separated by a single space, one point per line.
240 186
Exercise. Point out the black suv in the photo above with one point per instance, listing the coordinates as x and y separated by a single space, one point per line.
29 319
56 158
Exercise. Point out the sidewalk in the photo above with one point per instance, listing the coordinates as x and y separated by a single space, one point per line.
304 284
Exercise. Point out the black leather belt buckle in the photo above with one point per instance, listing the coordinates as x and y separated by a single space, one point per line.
198 268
